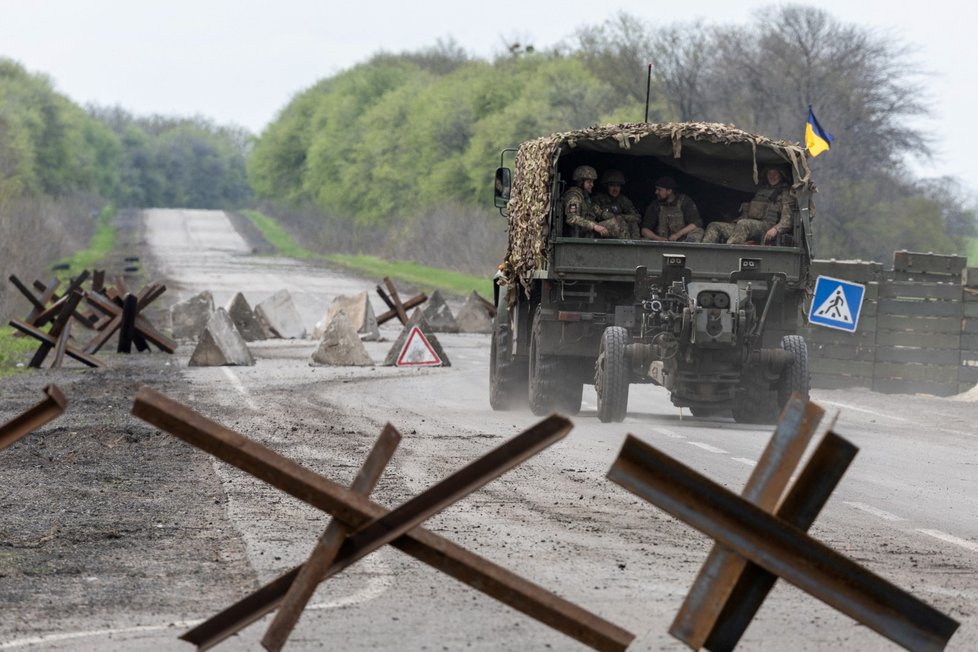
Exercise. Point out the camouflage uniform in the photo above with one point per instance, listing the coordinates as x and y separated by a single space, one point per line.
621 206
772 206
581 211
666 218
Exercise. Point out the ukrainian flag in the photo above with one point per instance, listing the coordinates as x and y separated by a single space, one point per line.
817 140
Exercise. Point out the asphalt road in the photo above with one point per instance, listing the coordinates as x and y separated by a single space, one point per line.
907 509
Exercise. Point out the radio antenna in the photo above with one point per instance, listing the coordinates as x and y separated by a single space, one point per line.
648 92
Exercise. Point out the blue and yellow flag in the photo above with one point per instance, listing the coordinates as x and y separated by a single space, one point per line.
817 140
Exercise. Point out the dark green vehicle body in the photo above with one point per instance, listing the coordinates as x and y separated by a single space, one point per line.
714 324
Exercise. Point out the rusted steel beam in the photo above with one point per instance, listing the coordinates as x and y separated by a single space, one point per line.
410 303
70 302
780 548
59 347
81 356
38 303
328 545
30 420
801 506
356 512
401 312
722 568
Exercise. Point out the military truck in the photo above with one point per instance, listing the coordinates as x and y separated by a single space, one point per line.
714 324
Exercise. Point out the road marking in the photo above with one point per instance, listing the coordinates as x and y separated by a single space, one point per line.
886 516
707 447
864 410
744 460
670 433
236 382
380 579
950 538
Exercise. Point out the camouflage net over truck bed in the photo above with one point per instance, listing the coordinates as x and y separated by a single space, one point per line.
530 203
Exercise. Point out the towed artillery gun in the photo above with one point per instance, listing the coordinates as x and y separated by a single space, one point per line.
714 324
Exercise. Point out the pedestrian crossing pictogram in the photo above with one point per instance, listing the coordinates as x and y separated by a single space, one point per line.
836 303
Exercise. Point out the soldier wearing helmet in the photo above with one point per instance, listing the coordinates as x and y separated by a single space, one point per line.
581 213
763 218
672 216
612 201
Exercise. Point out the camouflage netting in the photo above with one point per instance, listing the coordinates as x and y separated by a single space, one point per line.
530 203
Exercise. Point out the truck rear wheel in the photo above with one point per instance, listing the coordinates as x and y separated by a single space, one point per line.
611 375
553 385
796 377
507 374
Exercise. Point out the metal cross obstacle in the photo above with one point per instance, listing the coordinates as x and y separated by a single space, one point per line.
372 526
57 337
121 312
393 300
760 539
30 420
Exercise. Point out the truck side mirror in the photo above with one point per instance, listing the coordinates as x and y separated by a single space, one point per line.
502 187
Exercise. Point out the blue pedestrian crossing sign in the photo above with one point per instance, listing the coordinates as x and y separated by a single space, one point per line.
836 304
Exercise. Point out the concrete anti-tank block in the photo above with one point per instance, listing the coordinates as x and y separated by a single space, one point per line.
473 317
439 315
221 344
188 318
244 319
340 346
359 312
416 319
279 316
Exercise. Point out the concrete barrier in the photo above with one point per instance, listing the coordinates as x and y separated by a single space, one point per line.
407 346
439 315
188 318
358 310
244 319
473 317
340 346
221 344
278 315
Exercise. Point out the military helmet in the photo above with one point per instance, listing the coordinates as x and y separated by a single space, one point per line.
582 172
616 177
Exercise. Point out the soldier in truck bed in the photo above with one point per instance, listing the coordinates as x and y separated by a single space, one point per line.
763 218
672 216
582 214
618 204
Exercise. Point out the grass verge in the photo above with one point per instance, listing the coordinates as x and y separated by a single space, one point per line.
99 247
425 277
14 350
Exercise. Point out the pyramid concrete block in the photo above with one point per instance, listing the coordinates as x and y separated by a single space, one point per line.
341 346
473 317
439 315
416 319
221 344
244 319
360 313
188 318
279 316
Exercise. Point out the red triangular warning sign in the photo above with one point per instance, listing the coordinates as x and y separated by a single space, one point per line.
417 351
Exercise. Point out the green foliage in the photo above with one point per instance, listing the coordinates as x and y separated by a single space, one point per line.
48 145
390 138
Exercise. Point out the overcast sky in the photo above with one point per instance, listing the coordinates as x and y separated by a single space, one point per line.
240 61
